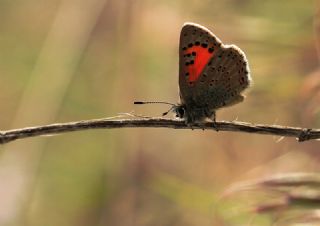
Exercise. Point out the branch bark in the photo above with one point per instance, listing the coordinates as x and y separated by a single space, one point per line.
302 134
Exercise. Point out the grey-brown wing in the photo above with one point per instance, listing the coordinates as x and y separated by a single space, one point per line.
197 46
223 79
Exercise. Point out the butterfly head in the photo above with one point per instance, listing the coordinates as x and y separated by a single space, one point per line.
179 110
193 114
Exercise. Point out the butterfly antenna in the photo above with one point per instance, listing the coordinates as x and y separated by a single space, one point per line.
157 102
165 113
153 102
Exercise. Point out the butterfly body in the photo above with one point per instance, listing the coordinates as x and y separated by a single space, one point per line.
211 75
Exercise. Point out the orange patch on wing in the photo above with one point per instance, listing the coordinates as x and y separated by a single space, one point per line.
200 61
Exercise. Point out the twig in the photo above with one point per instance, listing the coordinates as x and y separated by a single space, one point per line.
301 134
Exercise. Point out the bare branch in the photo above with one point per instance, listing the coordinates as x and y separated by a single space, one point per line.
302 134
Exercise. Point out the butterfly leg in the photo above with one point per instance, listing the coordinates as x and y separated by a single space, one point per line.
213 118
211 114
189 121
199 124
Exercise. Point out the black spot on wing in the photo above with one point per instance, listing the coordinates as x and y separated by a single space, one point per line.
204 45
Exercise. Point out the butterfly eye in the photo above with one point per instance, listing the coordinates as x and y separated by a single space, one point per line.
180 112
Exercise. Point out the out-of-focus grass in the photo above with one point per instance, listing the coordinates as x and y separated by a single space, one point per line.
286 199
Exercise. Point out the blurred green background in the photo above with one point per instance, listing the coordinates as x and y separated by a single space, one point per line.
70 60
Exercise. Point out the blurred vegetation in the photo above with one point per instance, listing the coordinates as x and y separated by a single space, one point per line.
70 60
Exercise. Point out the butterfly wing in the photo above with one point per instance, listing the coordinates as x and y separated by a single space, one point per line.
211 74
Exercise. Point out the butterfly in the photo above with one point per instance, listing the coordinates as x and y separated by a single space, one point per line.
212 75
